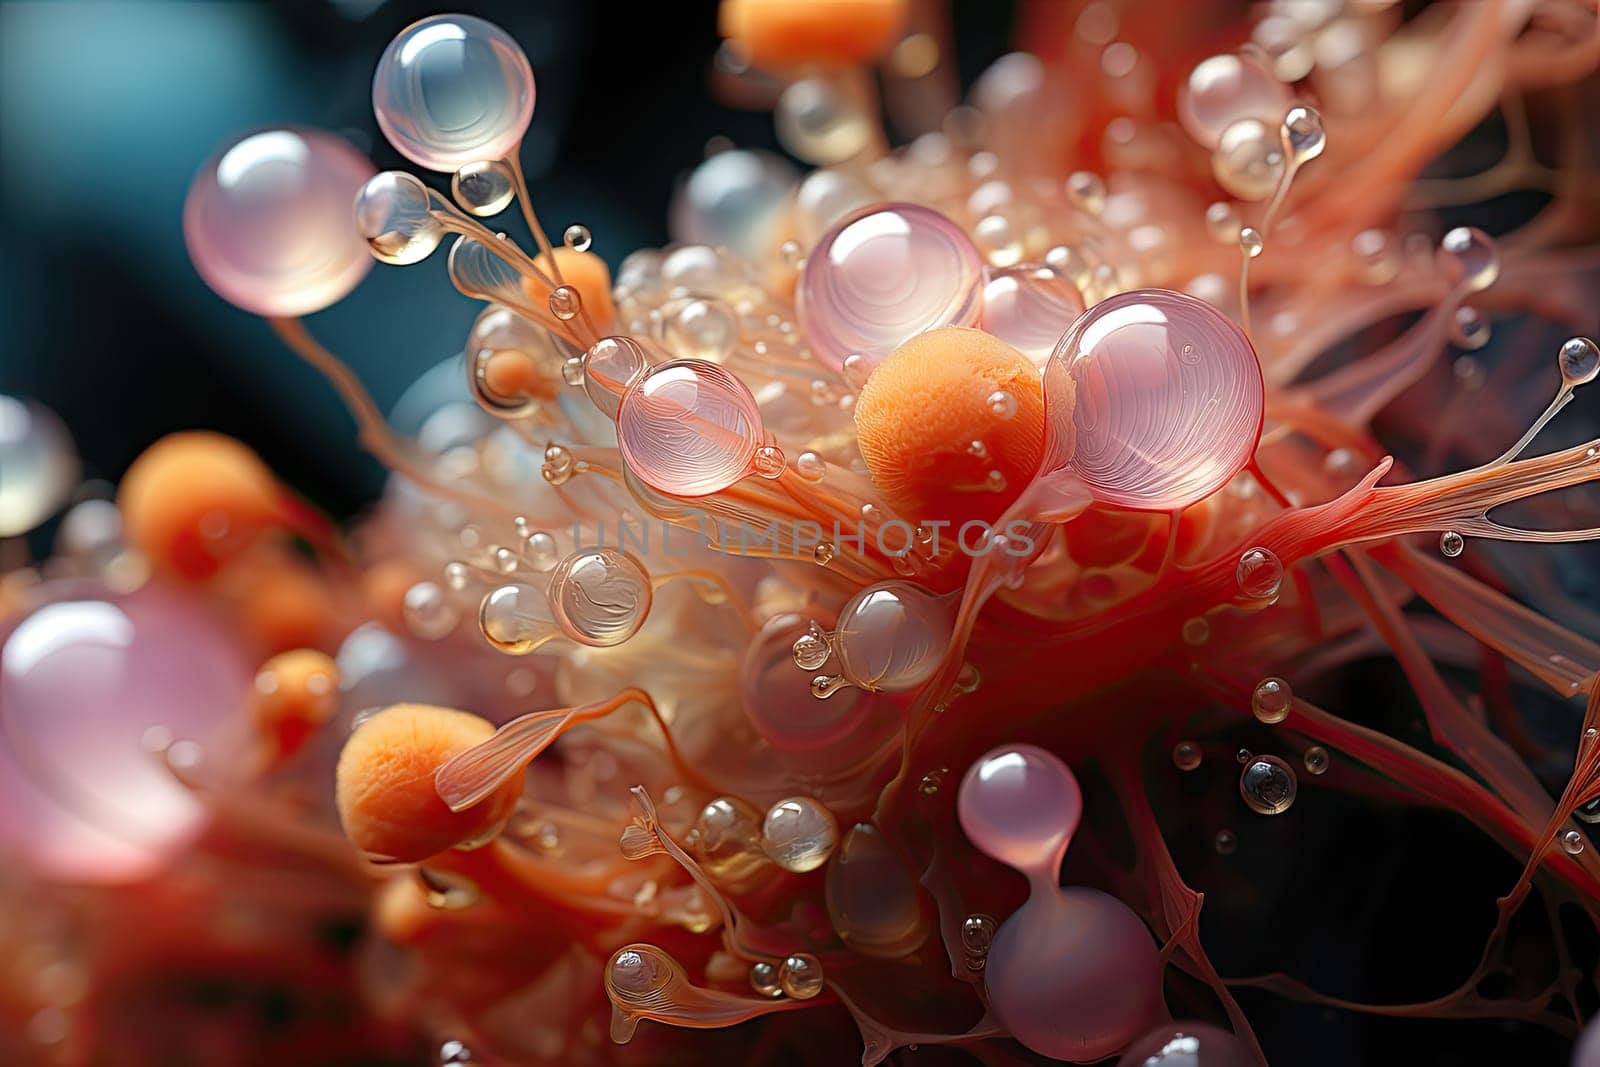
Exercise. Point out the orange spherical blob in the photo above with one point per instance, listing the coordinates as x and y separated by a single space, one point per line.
282 602
296 693
384 783
938 443
788 33
583 271
193 501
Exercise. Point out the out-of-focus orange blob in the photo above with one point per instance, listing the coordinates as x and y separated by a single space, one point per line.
583 271
788 33
282 602
195 500
937 441
383 590
384 783
296 693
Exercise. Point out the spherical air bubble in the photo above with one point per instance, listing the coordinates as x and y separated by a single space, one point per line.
1226 88
430 614
393 216
485 187
267 221
689 428
600 596
800 976
736 199
726 839
820 122
1259 574
1469 259
1165 398
610 367
517 618
1029 308
799 834
872 899
891 636
1020 805
452 90
1268 785
1272 700
1187 1044
883 274
1248 161
38 465
700 329
92 687
1579 360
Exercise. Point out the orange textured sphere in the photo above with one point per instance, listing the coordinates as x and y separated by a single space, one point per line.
789 33
936 441
193 501
583 271
384 783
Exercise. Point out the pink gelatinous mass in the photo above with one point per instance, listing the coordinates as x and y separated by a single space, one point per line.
82 680
267 222
883 274
689 428
1154 399
1020 804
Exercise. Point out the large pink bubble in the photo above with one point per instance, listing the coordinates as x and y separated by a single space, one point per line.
1021 805
268 224
882 275
87 680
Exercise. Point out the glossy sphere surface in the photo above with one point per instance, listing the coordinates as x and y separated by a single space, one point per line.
1074 974
737 199
891 637
1156 396
82 680
267 222
452 90
1029 308
600 596
884 274
1226 88
1187 1044
689 428
1020 804
38 467
872 899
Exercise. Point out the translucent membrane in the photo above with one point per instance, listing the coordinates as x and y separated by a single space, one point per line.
267 221
452 90
1154 398
883 274
92 691
689 428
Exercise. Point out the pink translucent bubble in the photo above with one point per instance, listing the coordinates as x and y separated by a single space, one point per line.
1074 974
1165 400
1186 1044
883 274
689 428
452 90
1029 308
267 222
83 680
1020 804
1226 88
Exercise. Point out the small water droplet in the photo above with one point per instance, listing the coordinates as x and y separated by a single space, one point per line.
1251 243
1186 755
823 554
565 303
1316 759
454 1053
1226 842
811 649
1268 785
810 466
1303 133
768 461
800 975
1469 259
1259 574
1002 404
1579 359
1452 544
1271 700
1573 841
1196 632
764 980
932 782
577 237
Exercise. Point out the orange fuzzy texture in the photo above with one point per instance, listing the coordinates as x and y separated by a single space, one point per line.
924 406
296 693
778 34
384 783
583 271
193 501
